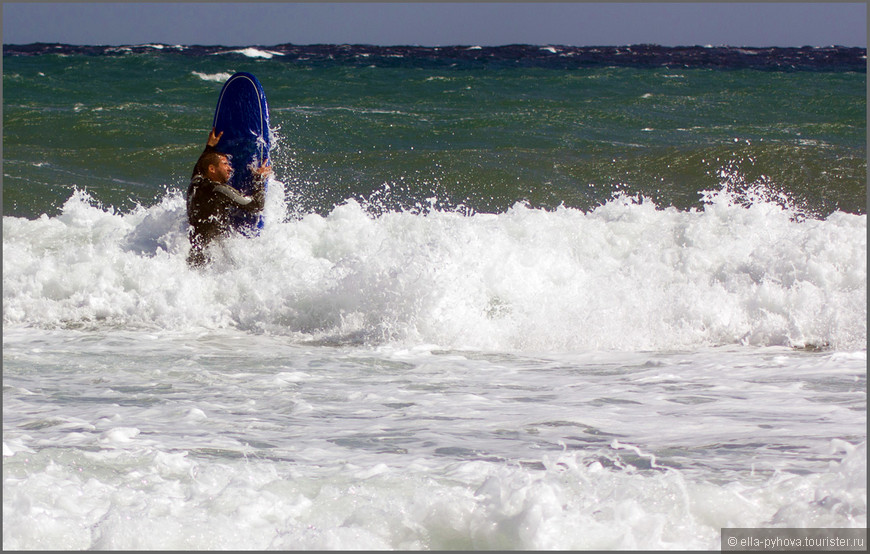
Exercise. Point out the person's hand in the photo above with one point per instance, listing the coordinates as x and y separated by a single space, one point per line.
265 169
213 138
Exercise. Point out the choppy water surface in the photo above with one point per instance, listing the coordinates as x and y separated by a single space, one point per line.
620 309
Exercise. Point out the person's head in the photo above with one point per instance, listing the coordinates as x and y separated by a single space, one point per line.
215 166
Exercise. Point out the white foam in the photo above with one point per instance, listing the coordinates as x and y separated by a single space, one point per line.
216 77
156 500
625 276
122 438
254 53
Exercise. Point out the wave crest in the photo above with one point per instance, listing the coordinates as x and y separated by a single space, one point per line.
627 275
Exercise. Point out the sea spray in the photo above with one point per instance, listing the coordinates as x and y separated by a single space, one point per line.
626 275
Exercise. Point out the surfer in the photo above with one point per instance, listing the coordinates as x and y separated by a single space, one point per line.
211 201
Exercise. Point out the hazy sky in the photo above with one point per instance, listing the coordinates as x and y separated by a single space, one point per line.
439 23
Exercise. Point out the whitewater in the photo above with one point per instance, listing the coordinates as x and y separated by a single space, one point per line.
631 376
627 275
522 297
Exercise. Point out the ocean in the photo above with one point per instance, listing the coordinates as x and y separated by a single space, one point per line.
528 297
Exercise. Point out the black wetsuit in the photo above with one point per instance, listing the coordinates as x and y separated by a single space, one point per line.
210 207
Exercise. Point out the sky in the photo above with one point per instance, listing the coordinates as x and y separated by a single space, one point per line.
752 24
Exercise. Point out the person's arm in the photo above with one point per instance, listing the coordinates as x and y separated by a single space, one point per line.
213 139
210 144
254 202
261 175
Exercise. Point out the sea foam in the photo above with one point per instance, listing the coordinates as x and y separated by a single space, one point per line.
627 275
576 501
254 53
216 77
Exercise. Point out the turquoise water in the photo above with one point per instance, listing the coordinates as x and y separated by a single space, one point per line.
127 128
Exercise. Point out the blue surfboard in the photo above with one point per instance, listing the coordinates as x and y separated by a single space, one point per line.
242 115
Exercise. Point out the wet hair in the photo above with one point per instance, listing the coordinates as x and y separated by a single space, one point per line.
209 157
